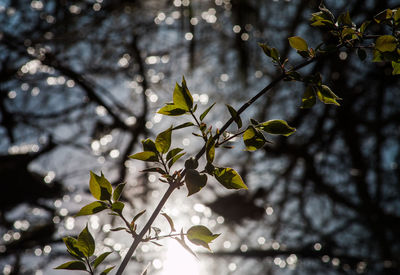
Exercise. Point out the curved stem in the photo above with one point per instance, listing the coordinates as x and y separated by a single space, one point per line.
140 236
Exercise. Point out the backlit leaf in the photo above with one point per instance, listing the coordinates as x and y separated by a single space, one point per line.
72 247
182 97
117 207
194 181
107 270
277 127
100 187
253 139
173 152
92 208
298 43
229 178
170 221
100 259
201 235
86 242
235 116
72 265
203 115
308 100
163 141
145 156
171 110
326 95
118 191
183 125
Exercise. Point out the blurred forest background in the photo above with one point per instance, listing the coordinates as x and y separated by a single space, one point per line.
80 83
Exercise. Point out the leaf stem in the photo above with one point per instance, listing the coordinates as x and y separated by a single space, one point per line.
140 236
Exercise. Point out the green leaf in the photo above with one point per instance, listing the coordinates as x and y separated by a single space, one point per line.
235 116
191 163
100 259
173 152
344 19
100 187
182 97
308 100
92 208
253 139
364 26
149 145
137 216
270 52
326 95
201 235
203 115
117 207
170 221
277 127
298 43
194 181
86 242
118 191
396 68
107 270
171 110
72 247
145 156
163 141
174 159
383 16
210 150
154 170
72 265
386 43
183 125
229 178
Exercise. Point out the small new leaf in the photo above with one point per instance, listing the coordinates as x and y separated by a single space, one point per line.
277 127
298 43
183 125
118 191
100 187
235 116
194 181
85 242
210 150
163 141
72 247
149 145
171 110
173 152
229 178
253 139
92 208
326 95
100 259
309 99
170 221
72 265
201 235
203 115
182 97
117 207
107 270
145 156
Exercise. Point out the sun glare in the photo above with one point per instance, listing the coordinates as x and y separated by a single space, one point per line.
178 261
